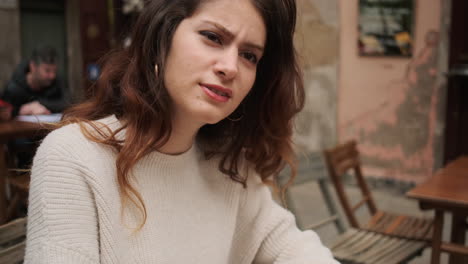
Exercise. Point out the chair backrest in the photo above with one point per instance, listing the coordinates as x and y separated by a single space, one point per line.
341 160
12 241
312 167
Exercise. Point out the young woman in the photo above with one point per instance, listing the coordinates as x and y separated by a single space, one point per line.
168 161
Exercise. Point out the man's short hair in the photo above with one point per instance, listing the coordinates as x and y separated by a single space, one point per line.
45 54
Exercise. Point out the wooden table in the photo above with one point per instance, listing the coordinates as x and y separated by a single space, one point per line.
11 130
447 191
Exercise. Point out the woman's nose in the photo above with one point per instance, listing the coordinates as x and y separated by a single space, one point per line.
227 65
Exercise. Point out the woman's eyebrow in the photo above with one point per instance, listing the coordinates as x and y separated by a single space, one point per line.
254 46
221 28
228 34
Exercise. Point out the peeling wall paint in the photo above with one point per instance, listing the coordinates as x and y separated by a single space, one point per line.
398 134
391 105
317 44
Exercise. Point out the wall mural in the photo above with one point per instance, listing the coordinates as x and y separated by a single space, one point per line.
397 136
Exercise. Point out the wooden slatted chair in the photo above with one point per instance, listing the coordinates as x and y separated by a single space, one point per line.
345 158
354 246
18 184
358 246
312 168
19 190
18 179
12 241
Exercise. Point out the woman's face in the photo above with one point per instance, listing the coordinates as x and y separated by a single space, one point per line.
212 62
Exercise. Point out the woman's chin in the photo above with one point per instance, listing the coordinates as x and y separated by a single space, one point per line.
207 115
213 119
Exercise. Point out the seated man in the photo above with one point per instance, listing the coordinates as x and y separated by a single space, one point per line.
34 88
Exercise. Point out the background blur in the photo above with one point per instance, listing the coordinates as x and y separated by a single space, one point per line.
405 111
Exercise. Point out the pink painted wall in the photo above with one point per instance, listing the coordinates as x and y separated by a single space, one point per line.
390 105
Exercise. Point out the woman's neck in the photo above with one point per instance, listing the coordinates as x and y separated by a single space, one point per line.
182 137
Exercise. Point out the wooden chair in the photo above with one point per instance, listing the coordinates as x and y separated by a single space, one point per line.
312 168
358 246
19 191
344 158
354 246
12 241
18 181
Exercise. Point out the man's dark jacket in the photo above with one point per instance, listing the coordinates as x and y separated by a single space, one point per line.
17 92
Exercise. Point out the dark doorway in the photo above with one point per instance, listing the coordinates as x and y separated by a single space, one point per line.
456 133
96 20
43 23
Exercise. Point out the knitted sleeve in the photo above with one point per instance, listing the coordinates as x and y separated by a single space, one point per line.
267 233
62 218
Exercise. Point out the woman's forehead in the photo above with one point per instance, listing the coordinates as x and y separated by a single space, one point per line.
234 17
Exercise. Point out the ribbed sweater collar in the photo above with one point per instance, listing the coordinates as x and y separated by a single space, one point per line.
156 157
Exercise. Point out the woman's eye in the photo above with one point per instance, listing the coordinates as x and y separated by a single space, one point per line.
250 57
211 36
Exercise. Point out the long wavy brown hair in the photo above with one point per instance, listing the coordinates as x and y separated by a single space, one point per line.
129 89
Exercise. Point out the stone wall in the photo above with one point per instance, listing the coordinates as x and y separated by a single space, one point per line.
317 44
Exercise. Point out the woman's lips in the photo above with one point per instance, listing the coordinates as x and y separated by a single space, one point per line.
216 92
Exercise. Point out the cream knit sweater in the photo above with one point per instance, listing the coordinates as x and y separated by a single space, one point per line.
195 213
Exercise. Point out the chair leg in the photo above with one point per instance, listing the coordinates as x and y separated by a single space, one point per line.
332 208
457 237
437 236
13 206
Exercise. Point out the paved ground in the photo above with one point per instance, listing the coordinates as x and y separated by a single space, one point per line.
310 208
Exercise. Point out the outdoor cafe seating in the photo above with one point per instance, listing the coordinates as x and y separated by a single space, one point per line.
446 193
344 160
14 186
352 244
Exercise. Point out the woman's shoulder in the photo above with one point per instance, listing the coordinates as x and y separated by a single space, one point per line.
65 134
75 137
